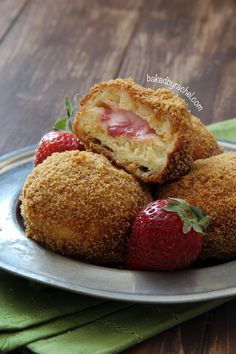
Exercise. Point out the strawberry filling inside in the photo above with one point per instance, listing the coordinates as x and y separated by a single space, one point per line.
121 122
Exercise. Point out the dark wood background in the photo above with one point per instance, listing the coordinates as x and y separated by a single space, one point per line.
53 48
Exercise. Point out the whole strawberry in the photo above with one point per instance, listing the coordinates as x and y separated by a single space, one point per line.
166 235
62 138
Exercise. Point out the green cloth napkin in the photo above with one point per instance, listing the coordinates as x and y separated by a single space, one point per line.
47 320
224 130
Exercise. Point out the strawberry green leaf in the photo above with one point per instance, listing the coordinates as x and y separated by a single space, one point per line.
69 107
70 124
60 123
197 211
174 208
172 204
198 228
204 222
182 215
187 226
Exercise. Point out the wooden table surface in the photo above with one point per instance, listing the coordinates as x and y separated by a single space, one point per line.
53 48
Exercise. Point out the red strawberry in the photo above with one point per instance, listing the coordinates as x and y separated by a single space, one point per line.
56 141
61 139
166 235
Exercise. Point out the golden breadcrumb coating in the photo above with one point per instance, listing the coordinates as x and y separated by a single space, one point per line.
211 186
205 144
165 157
79 205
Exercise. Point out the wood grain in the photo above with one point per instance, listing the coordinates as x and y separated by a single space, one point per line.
9 12
220 331
184 339
56 55
193 43
53 48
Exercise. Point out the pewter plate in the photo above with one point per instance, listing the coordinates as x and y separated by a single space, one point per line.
26 258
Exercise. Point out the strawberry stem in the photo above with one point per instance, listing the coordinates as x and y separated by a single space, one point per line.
191 216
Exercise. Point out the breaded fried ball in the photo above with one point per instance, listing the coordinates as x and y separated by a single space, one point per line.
146 132
205 144
211 186
79 205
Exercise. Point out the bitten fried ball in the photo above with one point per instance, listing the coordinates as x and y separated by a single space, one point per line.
79 205
148 133
205 144
211 186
